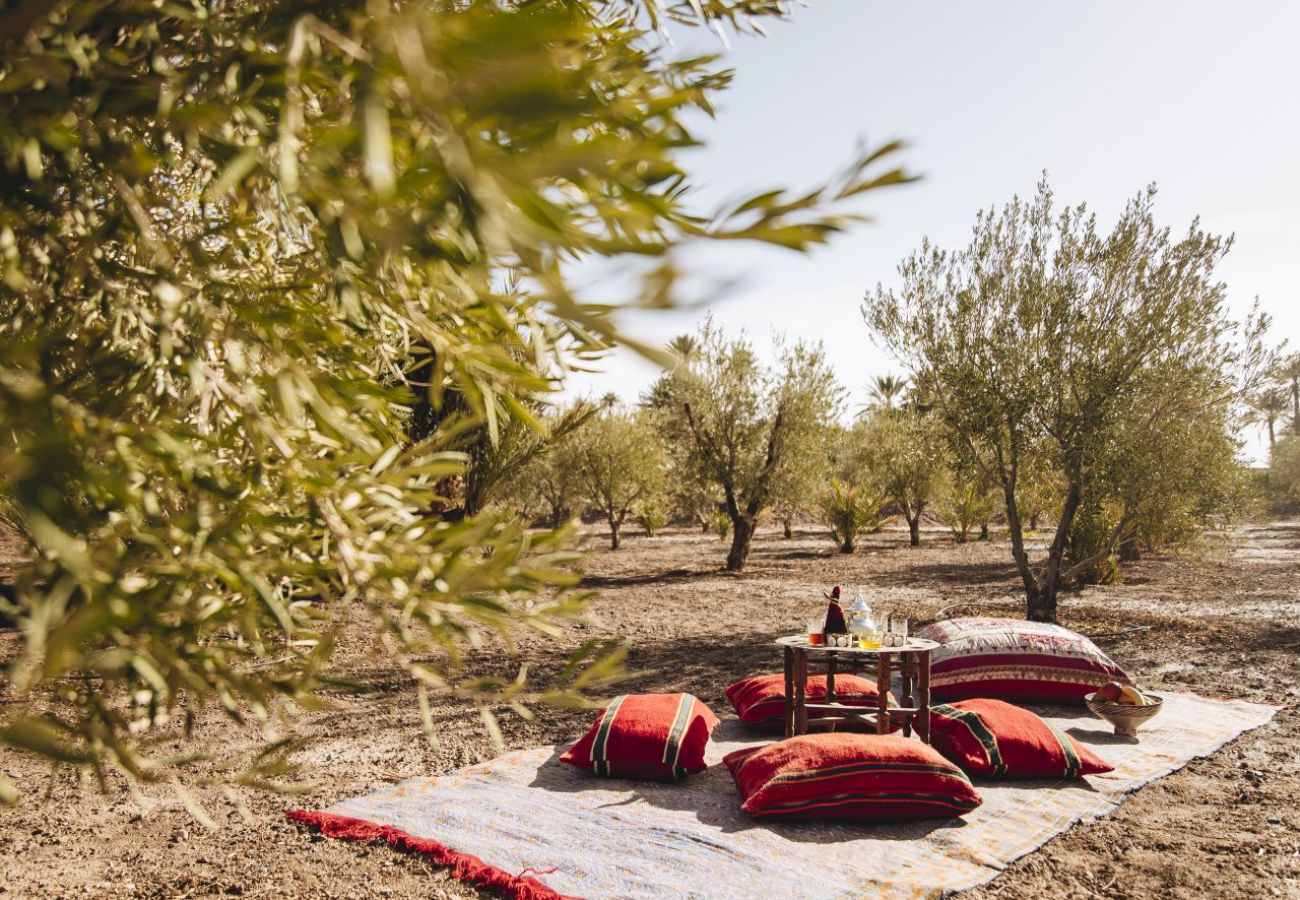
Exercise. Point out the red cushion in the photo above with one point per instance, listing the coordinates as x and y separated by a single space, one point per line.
659 737
1012 659
760 700
864 777
997 740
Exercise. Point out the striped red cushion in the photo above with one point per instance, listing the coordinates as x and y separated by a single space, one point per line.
657 737
1013 659
864 777
997 740
760 701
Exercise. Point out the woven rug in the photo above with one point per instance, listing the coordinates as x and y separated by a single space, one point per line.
529 826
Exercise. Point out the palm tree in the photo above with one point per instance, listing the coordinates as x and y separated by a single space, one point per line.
685 347
884 392
1290 372
1270 405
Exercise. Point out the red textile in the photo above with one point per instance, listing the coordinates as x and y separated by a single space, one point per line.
1012 659
760 701
863 777
657 737
997 740
464 866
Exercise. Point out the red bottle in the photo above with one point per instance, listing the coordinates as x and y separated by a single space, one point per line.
835 623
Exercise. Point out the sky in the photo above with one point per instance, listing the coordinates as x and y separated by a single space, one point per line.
1107 96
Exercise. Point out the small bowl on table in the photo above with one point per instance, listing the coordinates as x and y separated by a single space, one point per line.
1126 717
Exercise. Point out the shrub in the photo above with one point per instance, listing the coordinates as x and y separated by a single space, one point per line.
965 507
653 515
850 511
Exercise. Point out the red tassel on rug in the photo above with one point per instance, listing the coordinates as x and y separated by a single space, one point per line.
464 866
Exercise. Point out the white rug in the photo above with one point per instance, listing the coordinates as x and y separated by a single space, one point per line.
526 814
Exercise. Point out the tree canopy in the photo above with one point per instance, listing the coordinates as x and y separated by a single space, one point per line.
1047 333
228 232
746 426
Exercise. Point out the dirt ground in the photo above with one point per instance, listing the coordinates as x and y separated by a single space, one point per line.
1224 624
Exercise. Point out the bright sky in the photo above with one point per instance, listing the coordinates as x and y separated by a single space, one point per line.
1198 96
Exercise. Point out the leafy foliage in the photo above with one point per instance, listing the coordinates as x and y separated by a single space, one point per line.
964 507
652 515
620 466
1045 336
850 511
746 426
240 243
906 459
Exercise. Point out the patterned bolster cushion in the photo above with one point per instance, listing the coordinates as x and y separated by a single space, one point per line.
1012 659
860 777
760 701
653 737
994 739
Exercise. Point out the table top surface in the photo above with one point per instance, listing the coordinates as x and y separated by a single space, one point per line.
800 642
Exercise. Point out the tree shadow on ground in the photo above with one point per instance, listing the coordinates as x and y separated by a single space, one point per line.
607 581
963 574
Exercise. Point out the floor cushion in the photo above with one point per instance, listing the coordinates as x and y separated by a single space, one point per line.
860 777
655 737
993 739
1011 659
760 701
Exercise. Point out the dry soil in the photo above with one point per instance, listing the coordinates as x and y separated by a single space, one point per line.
1223 624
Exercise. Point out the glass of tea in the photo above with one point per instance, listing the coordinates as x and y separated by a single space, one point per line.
816 636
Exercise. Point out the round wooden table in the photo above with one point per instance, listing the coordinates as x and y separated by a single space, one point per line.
911 662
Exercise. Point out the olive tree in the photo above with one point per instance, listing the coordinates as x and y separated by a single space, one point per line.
746 425
549 477
1047 332
225 232
906 460
620 465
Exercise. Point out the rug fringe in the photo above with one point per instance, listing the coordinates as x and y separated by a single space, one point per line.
464 866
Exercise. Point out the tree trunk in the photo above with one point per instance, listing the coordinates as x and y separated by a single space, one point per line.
1272 437
1033 522
742 533
1129 551
1042 600
847 545
1295 404
788 522
914 528
704 525
984 532
613 533
1041 605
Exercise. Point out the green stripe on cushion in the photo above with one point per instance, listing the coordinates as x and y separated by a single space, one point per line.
1072 764
864 767
673 743
943 800
600 745
979 731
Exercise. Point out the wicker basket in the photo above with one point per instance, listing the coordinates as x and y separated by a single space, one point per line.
1126 717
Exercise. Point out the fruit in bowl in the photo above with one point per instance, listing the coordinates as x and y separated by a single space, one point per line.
1123 706
1111 690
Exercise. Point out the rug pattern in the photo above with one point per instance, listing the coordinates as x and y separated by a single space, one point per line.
525 814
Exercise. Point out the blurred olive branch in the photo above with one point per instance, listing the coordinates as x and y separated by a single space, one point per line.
229 234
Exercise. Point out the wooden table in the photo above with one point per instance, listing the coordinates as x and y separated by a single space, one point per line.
911 661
